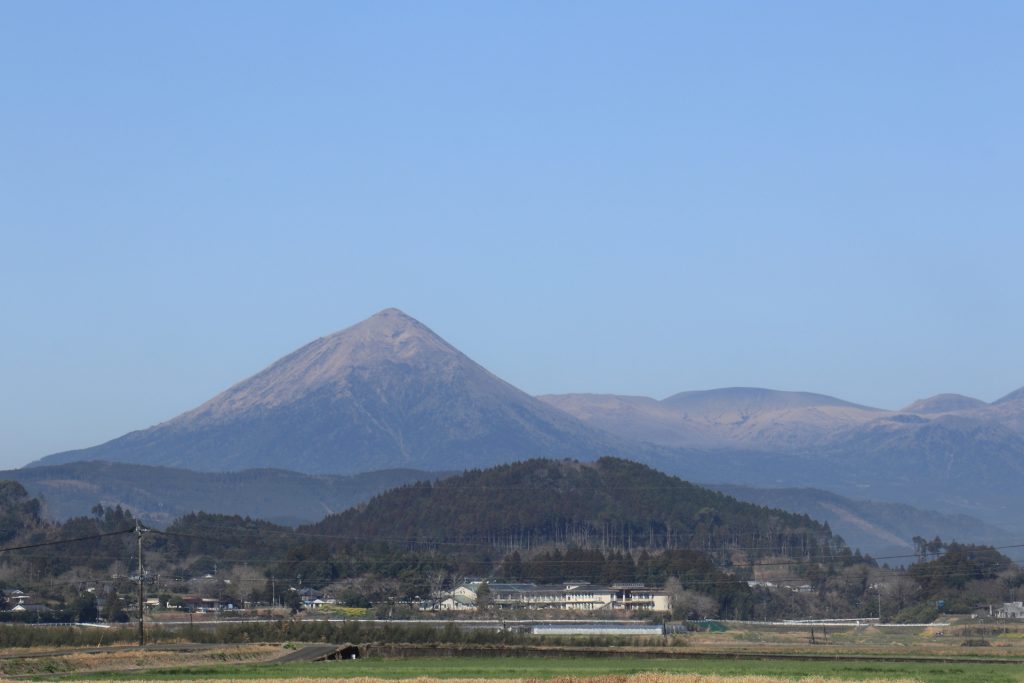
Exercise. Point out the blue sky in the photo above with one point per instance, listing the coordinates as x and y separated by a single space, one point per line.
636 198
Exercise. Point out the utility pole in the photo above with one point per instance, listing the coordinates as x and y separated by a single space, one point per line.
139 530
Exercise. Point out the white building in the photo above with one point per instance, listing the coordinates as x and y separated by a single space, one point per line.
1010 610
569 596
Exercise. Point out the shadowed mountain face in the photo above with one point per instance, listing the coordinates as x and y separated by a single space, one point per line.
881 529
158 495
385 393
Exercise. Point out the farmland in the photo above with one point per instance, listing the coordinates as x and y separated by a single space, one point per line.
958 652
578 670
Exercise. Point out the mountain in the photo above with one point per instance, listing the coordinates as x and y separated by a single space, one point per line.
610 503
947 452
1012 397
736 418
750 400
944 403
386 393
637 418
959 462
159 495
881 529
1009 410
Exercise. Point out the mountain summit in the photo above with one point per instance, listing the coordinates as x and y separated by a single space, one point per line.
332 365
387 392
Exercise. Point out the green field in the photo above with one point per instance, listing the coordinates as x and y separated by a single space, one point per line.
545 668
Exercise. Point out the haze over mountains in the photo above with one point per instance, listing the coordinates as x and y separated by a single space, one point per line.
158 495
946 452
881 529
745 418
768 420
389 393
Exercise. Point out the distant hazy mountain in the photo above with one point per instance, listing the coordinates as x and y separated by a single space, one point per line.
947 452
385 393
944 403
1009 410
160 494
881 529
389 393
739 418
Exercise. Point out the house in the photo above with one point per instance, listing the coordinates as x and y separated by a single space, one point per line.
456 603
29 607
194 603
17 597
311 597
467 590
1010 610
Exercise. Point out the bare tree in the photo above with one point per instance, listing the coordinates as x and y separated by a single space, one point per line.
687 604
898 593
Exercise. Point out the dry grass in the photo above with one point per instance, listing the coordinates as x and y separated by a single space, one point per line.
132 659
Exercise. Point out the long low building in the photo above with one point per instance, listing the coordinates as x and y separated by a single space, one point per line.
569 596
623 629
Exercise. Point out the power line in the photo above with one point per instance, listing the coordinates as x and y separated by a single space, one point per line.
66 540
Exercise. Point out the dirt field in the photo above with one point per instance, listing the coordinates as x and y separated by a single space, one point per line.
27 662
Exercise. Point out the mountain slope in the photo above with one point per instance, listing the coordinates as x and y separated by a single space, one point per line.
947 452
1009 411
737 418
609 503
944 403
385 393
638 418
158 495
881 529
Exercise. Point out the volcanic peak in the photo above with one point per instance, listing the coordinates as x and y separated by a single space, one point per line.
389 337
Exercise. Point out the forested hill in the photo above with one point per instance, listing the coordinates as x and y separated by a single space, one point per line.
610 503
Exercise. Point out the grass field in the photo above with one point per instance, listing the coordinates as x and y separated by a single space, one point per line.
632 662
480 669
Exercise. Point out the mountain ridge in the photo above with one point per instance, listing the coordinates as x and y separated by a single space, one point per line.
158 494
387 392
943 403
